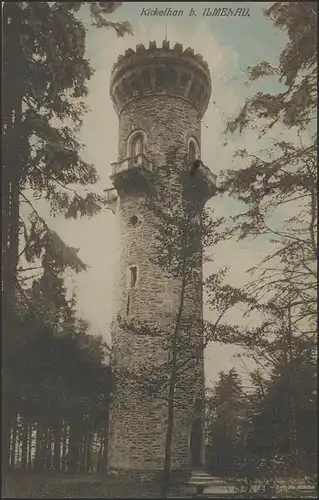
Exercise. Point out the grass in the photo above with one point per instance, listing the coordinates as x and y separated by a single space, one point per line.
27 484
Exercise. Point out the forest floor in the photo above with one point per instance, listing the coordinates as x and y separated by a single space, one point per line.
30 485
18 484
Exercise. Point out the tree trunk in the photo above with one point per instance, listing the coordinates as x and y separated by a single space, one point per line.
5 218
171 391
82 453
64 446
105 445
88 453
30 446
24 451
291 399
12 168
18 456
57 449
6 432
44 447
7 116
49 450
13 162
13 443
38 460
74 448
99 460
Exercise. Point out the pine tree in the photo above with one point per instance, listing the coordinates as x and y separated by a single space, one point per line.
44 82
281 176
282 439
226 425
45 75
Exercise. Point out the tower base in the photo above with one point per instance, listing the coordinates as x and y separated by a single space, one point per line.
152 479
205 484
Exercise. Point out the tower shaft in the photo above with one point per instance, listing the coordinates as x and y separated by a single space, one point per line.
160 96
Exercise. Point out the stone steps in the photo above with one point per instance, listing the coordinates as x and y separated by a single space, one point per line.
202 478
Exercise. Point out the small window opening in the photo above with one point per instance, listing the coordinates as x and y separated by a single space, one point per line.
133 276
196 359
128 305
133 221
192 153
137 145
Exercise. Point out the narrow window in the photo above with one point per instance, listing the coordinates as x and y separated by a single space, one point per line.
137 146
128 305
133 276
192 152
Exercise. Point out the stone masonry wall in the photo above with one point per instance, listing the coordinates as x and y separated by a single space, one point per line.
137 420
167 122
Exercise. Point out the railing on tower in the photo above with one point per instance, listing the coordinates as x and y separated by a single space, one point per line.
110 194
212 178
139 160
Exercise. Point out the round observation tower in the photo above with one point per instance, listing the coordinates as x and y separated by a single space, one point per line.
160 95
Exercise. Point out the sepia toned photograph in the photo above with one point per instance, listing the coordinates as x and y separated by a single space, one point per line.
159 250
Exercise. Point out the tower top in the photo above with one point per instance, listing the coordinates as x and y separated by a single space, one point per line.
160 71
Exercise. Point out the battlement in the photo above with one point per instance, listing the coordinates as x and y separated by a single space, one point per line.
160 71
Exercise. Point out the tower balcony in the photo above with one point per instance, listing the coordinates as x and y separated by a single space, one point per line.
138 161
110 195
132 174
111 198
205 182
207 175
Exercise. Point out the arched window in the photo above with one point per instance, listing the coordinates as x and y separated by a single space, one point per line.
137 145
193 151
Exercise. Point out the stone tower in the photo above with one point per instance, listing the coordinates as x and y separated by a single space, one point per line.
160 95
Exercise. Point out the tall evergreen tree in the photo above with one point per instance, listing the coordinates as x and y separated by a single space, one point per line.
283 425
226 425
45 75
54 383
281 177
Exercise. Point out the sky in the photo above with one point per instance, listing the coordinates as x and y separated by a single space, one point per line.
229 45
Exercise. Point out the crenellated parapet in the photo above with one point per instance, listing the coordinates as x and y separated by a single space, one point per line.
160 71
